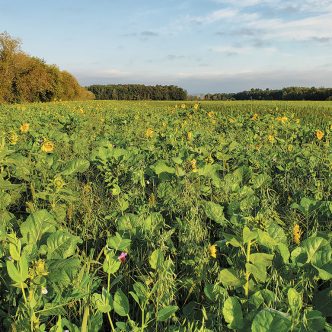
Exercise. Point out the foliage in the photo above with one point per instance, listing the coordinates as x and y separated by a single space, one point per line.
137 92
289 93
158 216
24 78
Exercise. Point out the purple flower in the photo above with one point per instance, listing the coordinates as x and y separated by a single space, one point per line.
122 257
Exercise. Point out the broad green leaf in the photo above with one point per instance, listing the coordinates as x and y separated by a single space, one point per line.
284 252
268 320
266 240
258 271
248 235
263 296
166 313
14 273
37 224
208 291
162 167
63 271
121 303
214 211
141 291
61 245
322 301
315 322
15 250
229 278
261 259
76 166
259 180
232 312
118 243
156 259
294 300
277 233
312 245
111 263
103 302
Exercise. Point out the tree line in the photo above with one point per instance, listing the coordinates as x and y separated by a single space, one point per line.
24 78
138 92
289 93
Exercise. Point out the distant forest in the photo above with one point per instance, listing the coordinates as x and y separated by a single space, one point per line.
290 93
24 78
138 92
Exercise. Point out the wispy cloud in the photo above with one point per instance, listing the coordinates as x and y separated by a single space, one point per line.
149 34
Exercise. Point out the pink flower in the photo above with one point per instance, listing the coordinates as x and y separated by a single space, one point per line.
122 257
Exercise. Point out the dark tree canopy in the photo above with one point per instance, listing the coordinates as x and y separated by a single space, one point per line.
289 93
138 92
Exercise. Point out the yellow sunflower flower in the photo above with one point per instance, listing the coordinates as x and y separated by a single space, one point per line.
297 234
213 250
149 133
319 134
47 146
25 128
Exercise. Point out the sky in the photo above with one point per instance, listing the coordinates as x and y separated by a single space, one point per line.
200 45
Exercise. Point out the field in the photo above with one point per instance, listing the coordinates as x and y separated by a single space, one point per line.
165 216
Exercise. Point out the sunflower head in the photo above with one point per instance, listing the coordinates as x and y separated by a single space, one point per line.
25 128
297 234
319 134
213 251
47 146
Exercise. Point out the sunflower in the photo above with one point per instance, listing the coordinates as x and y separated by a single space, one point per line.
213 250
25 128
149 133
319 134
47 146
297 233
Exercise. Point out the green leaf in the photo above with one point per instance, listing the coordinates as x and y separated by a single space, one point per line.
166 313
118 243
263 296
209 292
141 291
15 250
76 166
229 278
61 245
103 302
121 303
248 235
284 252
268 320
232 312
63 271
315 321
294 300
37 224
161 167
111 263
258 271
156 259
214 211
312 245
261 259
322 301
266 240
13 272
259 180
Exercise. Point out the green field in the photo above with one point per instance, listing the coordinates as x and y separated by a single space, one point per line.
165 216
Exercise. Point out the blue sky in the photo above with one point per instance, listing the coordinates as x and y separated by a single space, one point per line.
201 45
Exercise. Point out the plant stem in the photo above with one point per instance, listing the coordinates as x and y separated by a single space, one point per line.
111 323
246 289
